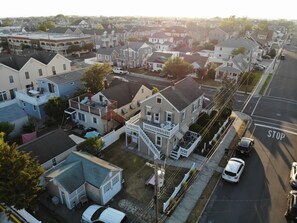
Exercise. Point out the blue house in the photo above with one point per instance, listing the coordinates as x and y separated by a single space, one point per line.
63 85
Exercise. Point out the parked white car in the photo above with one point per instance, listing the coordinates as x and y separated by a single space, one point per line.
293 175
119 70
233 170
97 213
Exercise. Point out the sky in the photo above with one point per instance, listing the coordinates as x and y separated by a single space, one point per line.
260 9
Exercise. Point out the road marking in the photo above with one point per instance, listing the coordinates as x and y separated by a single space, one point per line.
271 127
276 135
255 107
275 120
270 123
273 98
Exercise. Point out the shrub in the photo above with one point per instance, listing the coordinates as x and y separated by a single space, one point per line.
203 119
196 128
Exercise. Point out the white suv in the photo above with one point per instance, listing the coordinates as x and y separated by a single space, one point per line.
233 170
119 70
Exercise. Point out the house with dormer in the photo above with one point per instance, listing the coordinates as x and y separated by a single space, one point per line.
232 68
157 60
162 126
108 55
109 108
21 72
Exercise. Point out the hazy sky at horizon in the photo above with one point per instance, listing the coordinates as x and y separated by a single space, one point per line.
262 9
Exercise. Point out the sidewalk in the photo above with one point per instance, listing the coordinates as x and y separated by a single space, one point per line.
185 207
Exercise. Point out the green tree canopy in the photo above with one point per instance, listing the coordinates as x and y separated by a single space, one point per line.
178 68
94 76
88 46
73 48
6 128
55 107
91 145
19 174
155 90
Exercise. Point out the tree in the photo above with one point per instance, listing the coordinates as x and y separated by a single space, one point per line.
155 90
94 76
178 68
73 48
91 145
223 97
6 128
19 174
272 53
237 51
55 107
88 46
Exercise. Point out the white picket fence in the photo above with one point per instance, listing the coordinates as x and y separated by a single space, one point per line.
177 189
219 131
111 137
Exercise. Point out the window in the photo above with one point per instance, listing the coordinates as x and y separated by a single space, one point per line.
12 93
81 117
54 70
157 117
183 115
27 75
64 66
11 79
221 48
148 110
3 96
169 117
142 90
194 106
94 120
40 72
158 141
107 187
54 161
34 107
159 100
115 180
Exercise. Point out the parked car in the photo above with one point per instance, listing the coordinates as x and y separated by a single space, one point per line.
291 212
97 213
233 170
119 70
293 175
259 67
245 146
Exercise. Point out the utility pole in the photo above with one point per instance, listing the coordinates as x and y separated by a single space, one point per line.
249 72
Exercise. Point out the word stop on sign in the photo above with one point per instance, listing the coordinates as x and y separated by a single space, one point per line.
276 135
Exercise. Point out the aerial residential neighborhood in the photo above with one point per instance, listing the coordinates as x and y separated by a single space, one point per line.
147 119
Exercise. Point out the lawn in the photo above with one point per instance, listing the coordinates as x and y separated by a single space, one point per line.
136 173
250 87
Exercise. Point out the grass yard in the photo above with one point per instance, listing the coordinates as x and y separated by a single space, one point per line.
136 173
251 86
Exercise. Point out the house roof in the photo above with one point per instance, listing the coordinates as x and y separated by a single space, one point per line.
238 42
67 77
80 167
182 93
48 146
160 35
195 58
11 113
17 62
159 57
108 51
58 30
134 45
130 89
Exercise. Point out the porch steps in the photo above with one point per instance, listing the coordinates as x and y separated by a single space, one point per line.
174 154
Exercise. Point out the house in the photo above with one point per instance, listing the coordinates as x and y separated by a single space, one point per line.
62 85
13 114
108 55
195 59
218 34
80 23
83 175
51 148
21 72
232 69
157 60
265 38
109 108
134 54
160 38
162 126
223 50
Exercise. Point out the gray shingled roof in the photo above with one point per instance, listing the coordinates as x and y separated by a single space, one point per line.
122 93
58 30
48 146
238 42
160 35
194 58
11 113
159 57
108 51
183 93
67 77
134 45
80 167
17 62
